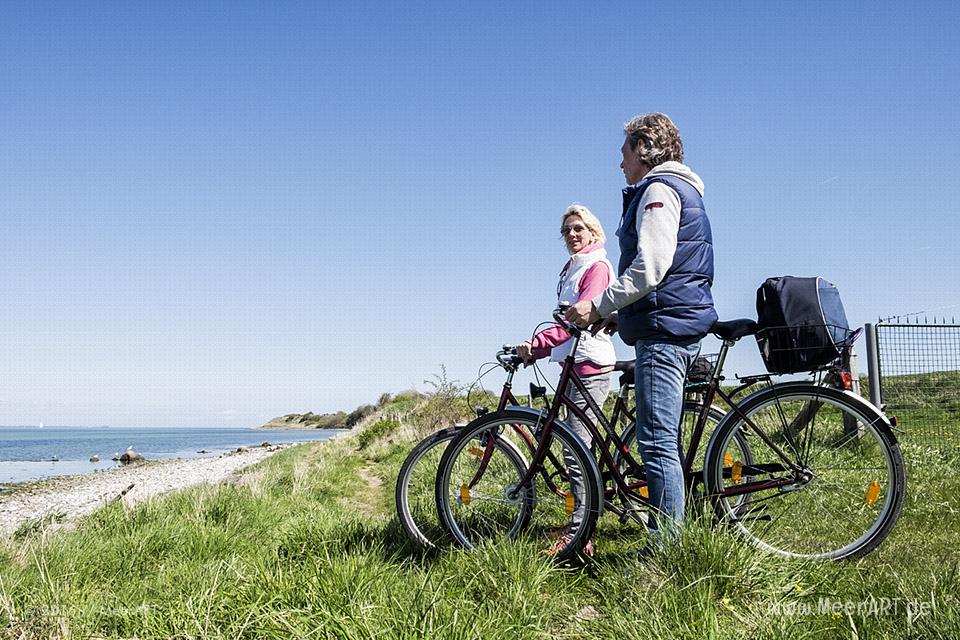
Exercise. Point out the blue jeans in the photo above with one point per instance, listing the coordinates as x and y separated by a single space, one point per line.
660 372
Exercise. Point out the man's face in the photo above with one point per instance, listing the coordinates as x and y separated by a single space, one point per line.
633 169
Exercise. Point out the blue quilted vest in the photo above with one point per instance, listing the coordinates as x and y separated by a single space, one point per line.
680 308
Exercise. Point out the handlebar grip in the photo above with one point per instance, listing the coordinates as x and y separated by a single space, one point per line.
508 356
571 328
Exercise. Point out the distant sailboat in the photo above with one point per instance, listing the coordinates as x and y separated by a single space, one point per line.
40 426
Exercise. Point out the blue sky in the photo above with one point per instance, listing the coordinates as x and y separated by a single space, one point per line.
214 213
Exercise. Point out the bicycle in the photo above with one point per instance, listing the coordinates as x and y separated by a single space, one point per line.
415 487
782 467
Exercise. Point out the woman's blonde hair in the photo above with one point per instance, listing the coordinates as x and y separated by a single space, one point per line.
588 218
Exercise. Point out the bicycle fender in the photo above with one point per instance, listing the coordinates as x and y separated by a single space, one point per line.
877 418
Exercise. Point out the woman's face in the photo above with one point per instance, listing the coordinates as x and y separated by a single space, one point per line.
575 234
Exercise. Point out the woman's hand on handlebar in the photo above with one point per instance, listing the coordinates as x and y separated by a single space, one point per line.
525 352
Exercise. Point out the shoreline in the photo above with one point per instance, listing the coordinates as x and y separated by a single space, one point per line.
63 499
74 451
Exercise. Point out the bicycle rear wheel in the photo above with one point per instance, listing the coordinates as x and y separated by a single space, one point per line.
479 497
691 413
831 492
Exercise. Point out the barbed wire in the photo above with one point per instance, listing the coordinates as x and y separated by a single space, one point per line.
905 318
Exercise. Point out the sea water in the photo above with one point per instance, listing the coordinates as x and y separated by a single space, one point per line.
27 453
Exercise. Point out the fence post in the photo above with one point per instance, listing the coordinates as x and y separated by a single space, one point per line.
873 365
854 373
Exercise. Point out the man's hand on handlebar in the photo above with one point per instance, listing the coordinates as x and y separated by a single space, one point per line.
607 325
582 314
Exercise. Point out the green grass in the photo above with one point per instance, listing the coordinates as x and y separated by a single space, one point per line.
305 545
927 407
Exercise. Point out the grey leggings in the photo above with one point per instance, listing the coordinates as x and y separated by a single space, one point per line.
598 387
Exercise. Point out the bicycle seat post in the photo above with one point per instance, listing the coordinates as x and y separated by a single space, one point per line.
721 357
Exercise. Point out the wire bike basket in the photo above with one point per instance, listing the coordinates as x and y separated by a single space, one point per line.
803 348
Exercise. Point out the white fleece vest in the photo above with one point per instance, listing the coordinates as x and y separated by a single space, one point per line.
597 349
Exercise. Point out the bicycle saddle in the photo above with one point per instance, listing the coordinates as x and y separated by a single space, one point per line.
734 329
626 366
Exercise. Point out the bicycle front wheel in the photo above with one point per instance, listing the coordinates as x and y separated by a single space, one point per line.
826 479
480 499
415 502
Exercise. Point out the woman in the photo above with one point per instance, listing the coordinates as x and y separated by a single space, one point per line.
584 276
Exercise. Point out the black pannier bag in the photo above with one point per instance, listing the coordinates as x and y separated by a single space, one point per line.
802 324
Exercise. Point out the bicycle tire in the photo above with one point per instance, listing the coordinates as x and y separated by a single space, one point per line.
691 411
495 508
849 492
414 493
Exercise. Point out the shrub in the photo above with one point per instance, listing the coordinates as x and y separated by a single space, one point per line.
359 414
379 429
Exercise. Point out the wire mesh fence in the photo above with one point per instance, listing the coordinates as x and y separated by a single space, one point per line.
920 380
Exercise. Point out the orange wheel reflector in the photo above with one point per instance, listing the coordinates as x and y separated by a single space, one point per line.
465 494
569 503
476 452
644 492
873 492
737 472
727 459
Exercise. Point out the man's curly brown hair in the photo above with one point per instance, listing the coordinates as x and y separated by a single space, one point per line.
655 138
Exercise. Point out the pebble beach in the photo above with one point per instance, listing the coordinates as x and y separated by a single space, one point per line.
66 498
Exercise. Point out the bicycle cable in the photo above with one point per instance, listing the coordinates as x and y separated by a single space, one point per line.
541 378
478 383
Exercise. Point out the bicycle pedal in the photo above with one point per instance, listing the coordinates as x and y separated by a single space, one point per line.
630 512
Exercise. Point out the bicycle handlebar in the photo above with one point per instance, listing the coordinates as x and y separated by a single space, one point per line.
508 358
571 328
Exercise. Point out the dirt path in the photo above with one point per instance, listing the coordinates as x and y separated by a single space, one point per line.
371 499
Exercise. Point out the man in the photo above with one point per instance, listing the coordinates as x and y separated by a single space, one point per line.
662 299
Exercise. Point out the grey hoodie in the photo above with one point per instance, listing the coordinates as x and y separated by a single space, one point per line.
658 221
